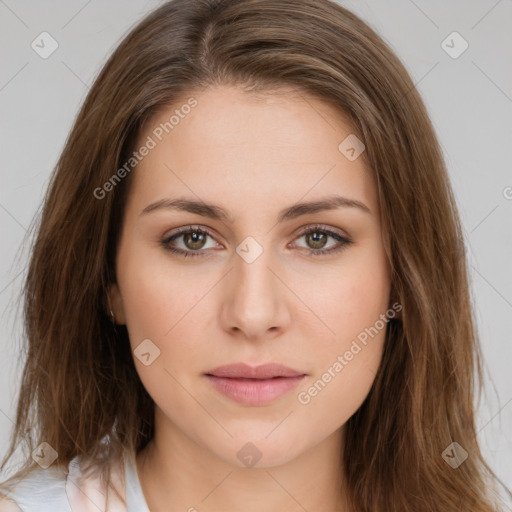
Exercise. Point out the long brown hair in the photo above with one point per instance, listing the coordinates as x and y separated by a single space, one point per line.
80 391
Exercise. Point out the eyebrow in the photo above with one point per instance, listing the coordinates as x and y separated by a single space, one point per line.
216 212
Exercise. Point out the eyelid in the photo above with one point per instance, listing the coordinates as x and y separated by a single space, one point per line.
176 233
211 232
192 227
320 227
344 239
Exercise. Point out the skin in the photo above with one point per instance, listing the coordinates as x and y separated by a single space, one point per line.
253 155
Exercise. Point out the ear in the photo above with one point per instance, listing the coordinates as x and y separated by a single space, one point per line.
115 301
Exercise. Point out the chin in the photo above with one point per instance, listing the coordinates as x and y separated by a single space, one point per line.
261 450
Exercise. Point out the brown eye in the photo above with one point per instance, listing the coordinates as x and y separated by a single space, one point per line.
194 240
188 241
316 239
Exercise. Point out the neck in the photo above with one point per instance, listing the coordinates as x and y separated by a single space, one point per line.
176 474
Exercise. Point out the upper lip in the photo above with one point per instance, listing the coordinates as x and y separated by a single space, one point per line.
264 371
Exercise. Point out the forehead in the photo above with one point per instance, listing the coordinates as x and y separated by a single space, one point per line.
251 149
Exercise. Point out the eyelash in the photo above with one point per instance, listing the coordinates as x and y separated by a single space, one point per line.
345 242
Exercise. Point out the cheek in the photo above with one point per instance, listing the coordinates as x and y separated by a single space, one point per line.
347 297
163 305
345 372
157 296
346 363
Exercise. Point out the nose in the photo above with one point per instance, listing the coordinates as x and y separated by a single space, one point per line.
255 301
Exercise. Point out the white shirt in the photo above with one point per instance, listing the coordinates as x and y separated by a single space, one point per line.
54 490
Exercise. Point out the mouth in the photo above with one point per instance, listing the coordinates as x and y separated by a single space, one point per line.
259 385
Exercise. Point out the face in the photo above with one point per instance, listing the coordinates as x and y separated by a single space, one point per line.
254 279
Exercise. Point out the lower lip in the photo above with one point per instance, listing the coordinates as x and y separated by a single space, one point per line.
254 391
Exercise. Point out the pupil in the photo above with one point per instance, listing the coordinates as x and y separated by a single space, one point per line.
196 238
318 240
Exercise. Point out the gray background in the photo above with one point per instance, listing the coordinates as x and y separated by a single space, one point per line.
469 99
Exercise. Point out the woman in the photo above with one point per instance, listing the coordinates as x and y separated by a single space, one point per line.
252 255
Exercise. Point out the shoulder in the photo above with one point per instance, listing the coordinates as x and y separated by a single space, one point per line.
56 489
7 504
41 490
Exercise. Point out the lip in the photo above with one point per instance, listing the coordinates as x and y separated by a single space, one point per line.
254 385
